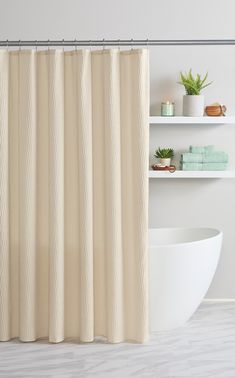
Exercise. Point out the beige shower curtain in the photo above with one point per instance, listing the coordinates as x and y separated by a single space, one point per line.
74 194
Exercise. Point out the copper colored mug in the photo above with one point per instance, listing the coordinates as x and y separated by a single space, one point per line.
215 110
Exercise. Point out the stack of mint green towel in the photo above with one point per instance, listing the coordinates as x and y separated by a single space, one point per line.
204 159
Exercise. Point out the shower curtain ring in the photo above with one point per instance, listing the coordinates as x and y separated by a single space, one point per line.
7 45
75 44
119 44
19 44
103 44
131 43
63 44
48 41
90 44
147 42
36 45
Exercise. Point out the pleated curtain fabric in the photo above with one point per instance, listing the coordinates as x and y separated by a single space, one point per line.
74 194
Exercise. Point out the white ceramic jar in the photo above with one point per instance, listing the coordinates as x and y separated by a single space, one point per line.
193 105
165 162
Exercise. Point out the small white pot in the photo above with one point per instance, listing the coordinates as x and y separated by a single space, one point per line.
165 162
193 106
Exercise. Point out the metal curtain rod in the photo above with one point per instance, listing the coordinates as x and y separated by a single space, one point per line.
119 42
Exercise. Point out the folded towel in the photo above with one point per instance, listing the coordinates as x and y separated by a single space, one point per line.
189 157
201 149
214 166
203 166
191 166
213 157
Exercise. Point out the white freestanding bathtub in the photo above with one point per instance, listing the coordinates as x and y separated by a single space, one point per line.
182 264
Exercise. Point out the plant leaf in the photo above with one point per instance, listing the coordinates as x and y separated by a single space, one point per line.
206 85
193 85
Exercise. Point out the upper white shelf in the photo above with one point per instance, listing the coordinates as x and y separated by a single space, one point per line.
191 120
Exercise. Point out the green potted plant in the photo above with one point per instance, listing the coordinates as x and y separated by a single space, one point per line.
165 155
193 101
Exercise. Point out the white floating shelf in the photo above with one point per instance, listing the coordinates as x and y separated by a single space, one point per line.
191 174
191 120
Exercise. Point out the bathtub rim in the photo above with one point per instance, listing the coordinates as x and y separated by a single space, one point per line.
219 234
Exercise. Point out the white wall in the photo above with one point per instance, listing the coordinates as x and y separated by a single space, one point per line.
173 202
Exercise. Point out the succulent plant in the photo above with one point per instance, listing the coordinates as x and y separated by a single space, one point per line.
193 85
164 153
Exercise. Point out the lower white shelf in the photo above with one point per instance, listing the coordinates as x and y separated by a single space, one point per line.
192 174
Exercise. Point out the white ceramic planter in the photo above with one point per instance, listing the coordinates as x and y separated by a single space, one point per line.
193 106
165 162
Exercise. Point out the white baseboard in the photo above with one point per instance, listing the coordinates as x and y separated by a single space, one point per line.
218 300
